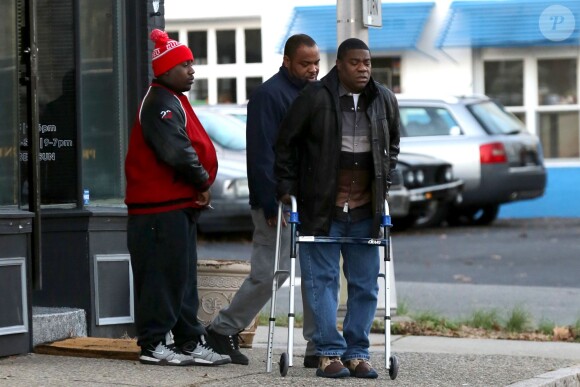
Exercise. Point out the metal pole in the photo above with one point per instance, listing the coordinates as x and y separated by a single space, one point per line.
349 21
34 147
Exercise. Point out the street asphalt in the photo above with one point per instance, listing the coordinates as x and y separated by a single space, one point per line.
423 361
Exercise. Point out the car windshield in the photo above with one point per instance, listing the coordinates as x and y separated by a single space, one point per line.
495 119
224 130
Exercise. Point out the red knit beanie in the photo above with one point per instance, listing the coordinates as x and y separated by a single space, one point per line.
168 53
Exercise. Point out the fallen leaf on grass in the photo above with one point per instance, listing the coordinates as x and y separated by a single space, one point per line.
462 278
562 334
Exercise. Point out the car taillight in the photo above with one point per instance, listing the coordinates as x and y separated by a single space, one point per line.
492 153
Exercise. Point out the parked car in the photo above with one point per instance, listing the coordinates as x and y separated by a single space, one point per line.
421 189
498 160
419 181
229 194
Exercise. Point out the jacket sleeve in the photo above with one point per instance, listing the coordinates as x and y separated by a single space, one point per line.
288 145
394 132
163 122
264 116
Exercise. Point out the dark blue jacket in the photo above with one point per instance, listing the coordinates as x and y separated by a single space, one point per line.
266 109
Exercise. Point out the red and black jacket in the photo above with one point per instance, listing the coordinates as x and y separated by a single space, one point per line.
170 158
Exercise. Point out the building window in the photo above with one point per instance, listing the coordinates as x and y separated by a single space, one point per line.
57 106
557 82
504 81
227 91
521 116
253 39
388 72
559 134
174 35
104 123
197 42
198 94
226 46
252 83
9 149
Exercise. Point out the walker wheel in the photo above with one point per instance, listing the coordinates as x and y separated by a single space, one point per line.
393 367
284 364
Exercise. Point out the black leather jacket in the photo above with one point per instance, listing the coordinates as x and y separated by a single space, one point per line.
309 144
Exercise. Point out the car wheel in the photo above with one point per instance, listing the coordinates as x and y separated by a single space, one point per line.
433 215
479 216
486 215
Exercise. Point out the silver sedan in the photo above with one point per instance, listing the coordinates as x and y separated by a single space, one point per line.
491 151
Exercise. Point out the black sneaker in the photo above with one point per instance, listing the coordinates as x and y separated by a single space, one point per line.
311 361
227 345
164 353
202 354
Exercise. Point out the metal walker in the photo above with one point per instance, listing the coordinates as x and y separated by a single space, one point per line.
391 361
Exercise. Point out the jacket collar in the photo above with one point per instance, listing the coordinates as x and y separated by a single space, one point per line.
299 83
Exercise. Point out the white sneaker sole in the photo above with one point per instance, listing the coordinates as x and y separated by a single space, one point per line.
164 362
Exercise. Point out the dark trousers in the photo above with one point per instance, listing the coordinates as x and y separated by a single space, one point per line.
163 250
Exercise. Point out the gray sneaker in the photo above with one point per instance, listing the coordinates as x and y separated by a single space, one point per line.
202 354
164 353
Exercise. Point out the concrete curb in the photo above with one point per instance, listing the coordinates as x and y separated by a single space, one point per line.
564 377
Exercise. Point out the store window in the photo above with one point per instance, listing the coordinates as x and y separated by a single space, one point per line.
197 42
8 106
104 124
559 134
56 88
227 90
557 82
226 46
253 39
504 81
387 71
198 94
252 83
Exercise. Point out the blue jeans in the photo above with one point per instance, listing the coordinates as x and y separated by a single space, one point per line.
320 266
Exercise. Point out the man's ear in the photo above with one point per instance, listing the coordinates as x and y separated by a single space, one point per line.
286 61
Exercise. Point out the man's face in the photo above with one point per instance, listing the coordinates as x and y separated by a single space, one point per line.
305 64
180 78
354 69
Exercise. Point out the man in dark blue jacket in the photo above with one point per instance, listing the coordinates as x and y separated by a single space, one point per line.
266 109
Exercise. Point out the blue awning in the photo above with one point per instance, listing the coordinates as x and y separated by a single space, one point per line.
402 26
511 23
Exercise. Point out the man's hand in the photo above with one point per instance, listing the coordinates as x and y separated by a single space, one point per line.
286 199
273 221
203 199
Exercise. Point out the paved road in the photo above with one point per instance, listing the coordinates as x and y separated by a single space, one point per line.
528 263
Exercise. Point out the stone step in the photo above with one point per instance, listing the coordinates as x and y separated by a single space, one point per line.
53 324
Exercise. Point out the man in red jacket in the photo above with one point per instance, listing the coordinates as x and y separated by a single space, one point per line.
170 166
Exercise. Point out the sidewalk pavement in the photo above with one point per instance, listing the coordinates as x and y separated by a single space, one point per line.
423 361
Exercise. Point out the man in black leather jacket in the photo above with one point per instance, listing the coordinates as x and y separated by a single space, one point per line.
336 149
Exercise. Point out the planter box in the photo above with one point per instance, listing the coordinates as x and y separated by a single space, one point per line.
217 283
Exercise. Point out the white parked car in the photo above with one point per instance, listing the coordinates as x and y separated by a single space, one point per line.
498 160
229 193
